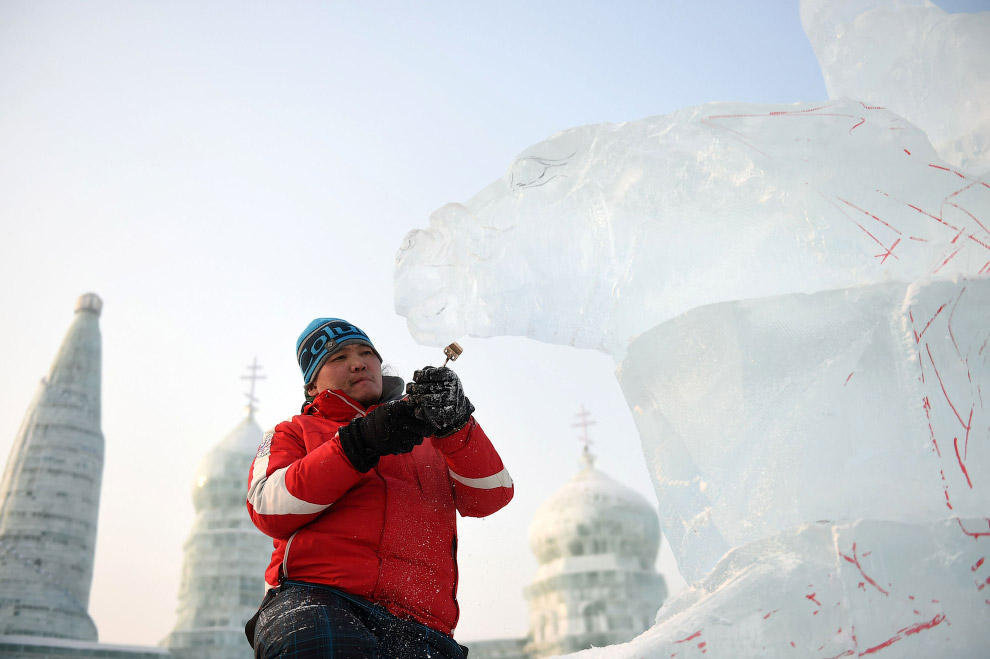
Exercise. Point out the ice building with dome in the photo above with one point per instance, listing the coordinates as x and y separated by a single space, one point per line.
225 556
49 505
596 543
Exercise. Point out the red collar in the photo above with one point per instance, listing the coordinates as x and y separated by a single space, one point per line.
335 405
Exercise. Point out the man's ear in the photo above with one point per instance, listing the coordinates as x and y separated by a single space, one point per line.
311 390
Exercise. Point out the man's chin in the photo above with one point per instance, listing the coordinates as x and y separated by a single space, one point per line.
366 393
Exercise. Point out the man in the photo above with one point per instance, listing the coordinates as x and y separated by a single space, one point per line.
362 509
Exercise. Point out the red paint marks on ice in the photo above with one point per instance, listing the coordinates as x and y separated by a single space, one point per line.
907 152
962 466
979 563
866 212
951 315
942 384
907 631
975 534
773 612
848 379
969 425
917 334
855 561
889 252
948 258
812 598
690 638
877 648
951 171
934 217
714 121
922 626
971 216
927 406
847 653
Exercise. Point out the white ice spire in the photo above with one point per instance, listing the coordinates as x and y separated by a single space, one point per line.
50 494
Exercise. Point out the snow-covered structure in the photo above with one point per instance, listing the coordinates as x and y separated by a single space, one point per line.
49 505
795 298
225 555
596 543
50 493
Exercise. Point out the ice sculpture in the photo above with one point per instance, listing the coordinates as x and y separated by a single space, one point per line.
798 302
928 66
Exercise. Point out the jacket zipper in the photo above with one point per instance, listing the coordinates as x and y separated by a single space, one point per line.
381 537
457 607
285 556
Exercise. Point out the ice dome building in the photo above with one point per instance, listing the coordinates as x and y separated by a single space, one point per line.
596 542
225 556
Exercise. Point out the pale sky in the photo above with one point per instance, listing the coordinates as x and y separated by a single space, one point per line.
220 173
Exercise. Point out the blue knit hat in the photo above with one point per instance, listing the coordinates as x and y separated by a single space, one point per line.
322 338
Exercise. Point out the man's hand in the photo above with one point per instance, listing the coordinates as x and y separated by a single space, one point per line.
389 429
439 399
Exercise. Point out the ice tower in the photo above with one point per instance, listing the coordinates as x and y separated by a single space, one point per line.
225 556
50 494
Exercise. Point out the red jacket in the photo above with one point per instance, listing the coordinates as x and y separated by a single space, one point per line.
388 535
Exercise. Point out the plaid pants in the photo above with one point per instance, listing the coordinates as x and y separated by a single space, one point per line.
304 620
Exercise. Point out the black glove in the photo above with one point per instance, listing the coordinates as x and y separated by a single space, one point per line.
440 399
389 429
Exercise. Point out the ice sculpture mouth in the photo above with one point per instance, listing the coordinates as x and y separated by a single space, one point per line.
434 274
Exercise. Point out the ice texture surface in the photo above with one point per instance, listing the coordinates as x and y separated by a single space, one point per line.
797 298
912 57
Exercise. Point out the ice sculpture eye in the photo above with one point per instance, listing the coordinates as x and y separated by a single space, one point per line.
533 171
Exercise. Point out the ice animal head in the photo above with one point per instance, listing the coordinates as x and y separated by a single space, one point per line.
602 232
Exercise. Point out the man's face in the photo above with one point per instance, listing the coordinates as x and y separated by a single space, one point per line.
355 370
